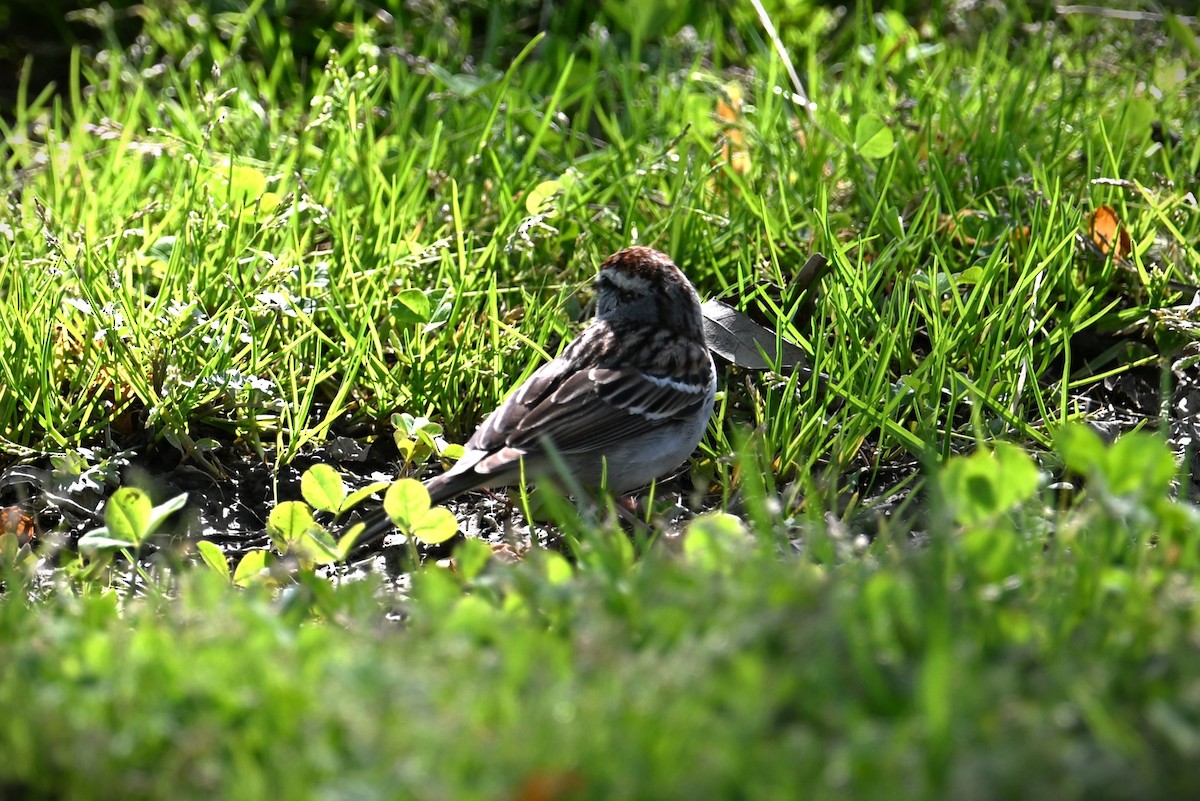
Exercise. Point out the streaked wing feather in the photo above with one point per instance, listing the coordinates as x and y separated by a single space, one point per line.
595 409
494 432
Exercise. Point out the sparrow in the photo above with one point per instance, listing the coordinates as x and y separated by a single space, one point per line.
625 402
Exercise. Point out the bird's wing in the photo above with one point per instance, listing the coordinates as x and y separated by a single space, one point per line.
587 410
579 411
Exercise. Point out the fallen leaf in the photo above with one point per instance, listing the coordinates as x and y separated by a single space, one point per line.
729 110
1018 239
733 139
548 786
17 521
1109 234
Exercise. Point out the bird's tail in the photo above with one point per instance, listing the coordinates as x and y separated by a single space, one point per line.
377 526
441 489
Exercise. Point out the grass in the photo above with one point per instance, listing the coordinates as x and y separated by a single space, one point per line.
184 294
994 662
248 233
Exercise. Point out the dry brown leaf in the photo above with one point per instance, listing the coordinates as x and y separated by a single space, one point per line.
124 423
550 786
798 132
733 138
1018 239
1109 234
729 110
17 521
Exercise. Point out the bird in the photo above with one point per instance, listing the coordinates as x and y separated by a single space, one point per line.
625 402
